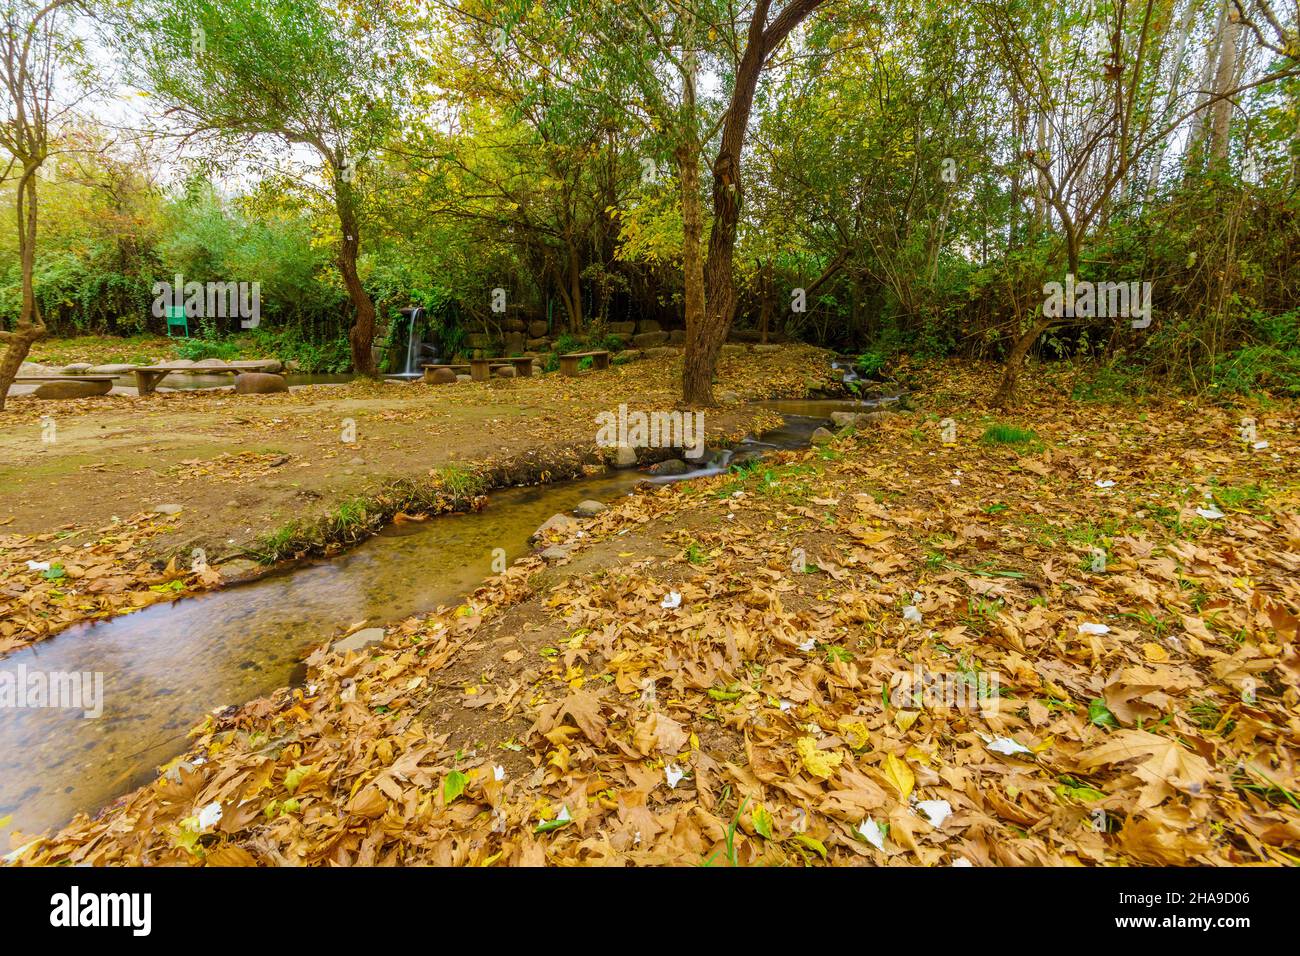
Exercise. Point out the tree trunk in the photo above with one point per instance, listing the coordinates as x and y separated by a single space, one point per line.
30 326
1221 113
688 164
1200 122
1005 395
704 341
361 338
574 297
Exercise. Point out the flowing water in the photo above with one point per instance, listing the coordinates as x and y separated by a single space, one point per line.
166 666
412 366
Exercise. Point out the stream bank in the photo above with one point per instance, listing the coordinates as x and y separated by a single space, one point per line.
166 666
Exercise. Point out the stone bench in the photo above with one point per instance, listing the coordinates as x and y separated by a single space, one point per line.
569 363
103 384
63 378
481 369
147 377
450 366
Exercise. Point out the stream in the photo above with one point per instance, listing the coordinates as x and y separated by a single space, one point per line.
166 666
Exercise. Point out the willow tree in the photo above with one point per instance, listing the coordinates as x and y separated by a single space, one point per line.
327 78
33 43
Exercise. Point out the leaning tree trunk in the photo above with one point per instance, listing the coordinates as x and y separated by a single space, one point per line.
1005 395
361 338
704 340
30 327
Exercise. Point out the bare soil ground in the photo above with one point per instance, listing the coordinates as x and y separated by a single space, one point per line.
241 467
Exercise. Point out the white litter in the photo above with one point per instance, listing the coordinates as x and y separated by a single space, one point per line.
1007 746
1090 628
209 816
936 811
672 600
872 832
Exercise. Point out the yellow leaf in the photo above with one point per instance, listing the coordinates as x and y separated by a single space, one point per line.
818 763
854 731
904 719
899 774
1154 652
812 843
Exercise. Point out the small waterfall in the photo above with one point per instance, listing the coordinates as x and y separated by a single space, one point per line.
413 344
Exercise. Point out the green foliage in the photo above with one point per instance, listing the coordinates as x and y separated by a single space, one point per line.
1270 361
1007 435
196 350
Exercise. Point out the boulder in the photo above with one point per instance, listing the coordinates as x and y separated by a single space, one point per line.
588 509
505 371
181 363
558 525
623 329
649 325
733 348
72 389
240 568
822 436
275 366
677 337
672 466
648 340
844 418
76 368
769 347
624 456
360 640
537 329
259 383
663 351
537 345
169 509
443 376
109 369
871 418
555 553
36 368
729 398
211 363
462 378
514 325
514 343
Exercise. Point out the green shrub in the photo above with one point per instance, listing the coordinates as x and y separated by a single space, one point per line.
197 349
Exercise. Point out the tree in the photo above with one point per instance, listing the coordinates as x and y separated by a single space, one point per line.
704 338
328 76
1111 122
32 45
648 54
